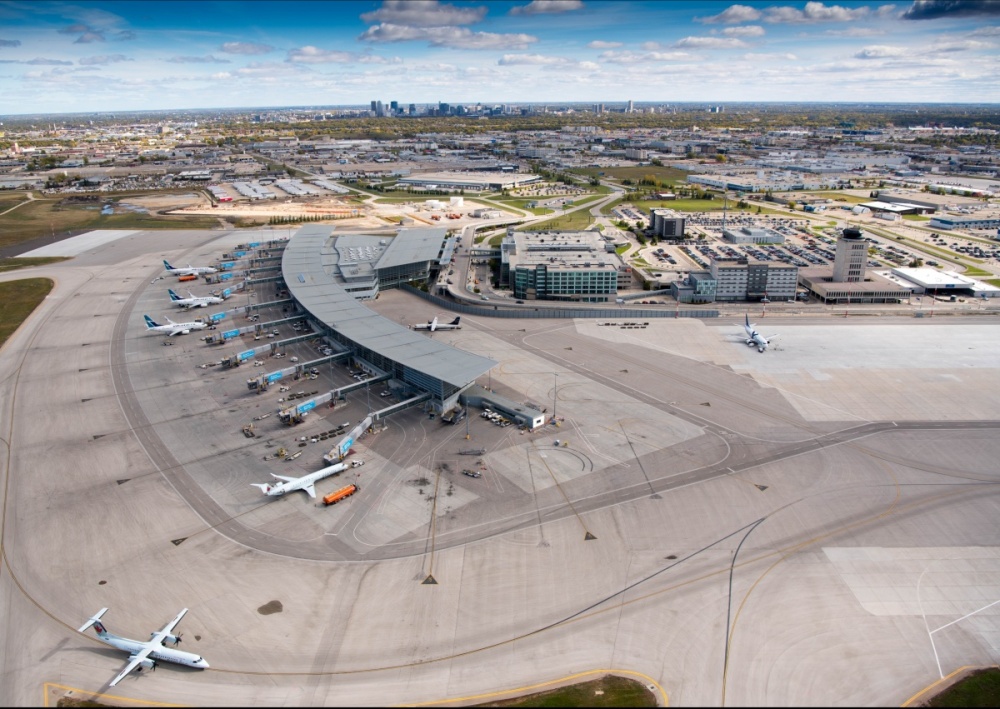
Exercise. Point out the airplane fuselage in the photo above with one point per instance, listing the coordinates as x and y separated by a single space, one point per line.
301 483
166 654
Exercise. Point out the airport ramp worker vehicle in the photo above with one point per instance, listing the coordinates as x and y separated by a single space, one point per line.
335 497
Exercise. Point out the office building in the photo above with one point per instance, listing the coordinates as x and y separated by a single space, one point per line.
666 224
749 279
753 235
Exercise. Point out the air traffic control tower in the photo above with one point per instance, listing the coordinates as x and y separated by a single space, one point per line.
420 362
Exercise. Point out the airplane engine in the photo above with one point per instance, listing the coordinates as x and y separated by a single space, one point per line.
185 332
147 664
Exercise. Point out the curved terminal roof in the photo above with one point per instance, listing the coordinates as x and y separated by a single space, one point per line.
319 294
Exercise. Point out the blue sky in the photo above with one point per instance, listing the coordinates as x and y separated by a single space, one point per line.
112 56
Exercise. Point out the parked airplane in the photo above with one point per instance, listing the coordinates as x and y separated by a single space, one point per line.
435 325
754 338
188 271
303 483
173 328
193 301
144 654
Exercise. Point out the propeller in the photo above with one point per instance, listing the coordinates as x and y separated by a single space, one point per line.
177 639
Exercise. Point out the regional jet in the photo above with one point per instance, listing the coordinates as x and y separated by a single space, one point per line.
754 338
144 654
193 301
173 328
189 271
435 325
304 483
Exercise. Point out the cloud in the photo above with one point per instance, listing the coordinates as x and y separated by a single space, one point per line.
881 51
814 12
710 43
988 31
745 31
37 61
74 29
453 37
752 57
543 7
732 15
534 59
424 13
10 43
103 59
934 9
124 36
315 55
89 38
962 45
245 48
628 57
856 32
208 59
601 44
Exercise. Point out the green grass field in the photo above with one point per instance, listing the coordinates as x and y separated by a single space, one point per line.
13 264
522 203
609 691
574 221
979 689
57 215
18 299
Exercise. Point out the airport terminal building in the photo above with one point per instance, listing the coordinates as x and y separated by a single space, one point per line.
327 276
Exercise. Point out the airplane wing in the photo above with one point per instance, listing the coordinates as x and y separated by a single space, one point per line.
133 662
282 477
167 629
311 490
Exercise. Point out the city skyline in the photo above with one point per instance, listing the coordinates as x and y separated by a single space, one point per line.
60 57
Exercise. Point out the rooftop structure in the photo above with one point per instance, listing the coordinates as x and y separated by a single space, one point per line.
753 235
475 181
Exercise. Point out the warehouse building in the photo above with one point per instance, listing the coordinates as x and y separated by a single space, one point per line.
753 235
471 181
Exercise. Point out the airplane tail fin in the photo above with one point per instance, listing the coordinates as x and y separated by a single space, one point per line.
455 321
264 487
95 620
167 265
150 323
173 296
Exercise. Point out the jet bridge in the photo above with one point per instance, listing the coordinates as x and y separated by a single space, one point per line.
270 348
255 329
293 414
340 451
260 383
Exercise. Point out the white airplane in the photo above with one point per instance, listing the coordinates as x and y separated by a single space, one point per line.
188 271
435 325
303 483
144 654
173 328
193 301
754 338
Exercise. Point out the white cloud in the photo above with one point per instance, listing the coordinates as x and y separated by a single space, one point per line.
710 43
222 76
37 61
535 59
601 44
881 51
754 57
961 45
590 66
453 37
815 12
105 59
423 13
208 59
745 31
856 32
245 48
732 15
628 57
541 7
986 31
10 43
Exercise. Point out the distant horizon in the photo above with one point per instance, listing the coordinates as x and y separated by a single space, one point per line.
553 104
107 56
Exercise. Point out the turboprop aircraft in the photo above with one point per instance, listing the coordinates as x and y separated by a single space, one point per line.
143 654
435 325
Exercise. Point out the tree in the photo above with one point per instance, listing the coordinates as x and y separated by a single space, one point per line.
916 263
791 204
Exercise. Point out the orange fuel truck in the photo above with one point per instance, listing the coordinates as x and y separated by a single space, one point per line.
335 497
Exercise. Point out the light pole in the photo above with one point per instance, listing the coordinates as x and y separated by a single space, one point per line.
555 397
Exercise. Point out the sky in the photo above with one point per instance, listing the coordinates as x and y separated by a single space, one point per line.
105 56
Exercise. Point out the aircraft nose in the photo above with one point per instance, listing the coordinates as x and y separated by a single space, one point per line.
204 665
